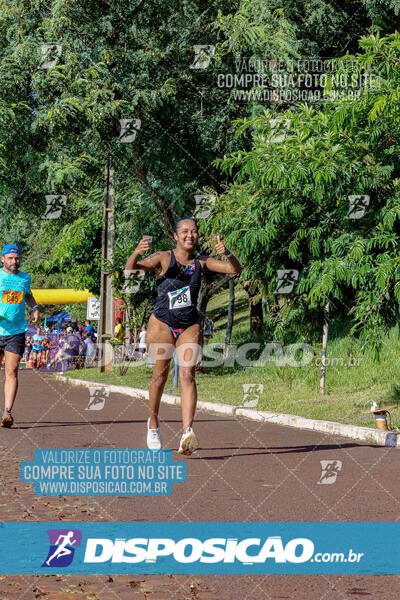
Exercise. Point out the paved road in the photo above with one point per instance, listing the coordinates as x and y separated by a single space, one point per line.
244 471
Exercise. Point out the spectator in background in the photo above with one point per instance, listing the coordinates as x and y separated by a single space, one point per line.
88 350
73 344
62 342
59 360
89 328
53 347
142 340
74 325
28 348
119 330
60 355
68 344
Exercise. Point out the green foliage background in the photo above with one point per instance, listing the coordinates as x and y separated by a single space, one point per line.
278 205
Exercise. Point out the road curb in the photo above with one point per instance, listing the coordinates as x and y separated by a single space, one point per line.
382 438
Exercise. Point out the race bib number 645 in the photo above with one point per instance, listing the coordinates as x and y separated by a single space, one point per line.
179 298
12 297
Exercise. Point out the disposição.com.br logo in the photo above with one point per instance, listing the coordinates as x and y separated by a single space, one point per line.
169 553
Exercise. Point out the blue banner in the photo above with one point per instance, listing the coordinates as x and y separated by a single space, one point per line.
195 548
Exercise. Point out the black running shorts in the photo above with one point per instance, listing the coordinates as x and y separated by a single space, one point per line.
13 343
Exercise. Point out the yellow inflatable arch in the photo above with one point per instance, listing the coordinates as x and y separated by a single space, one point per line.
65 296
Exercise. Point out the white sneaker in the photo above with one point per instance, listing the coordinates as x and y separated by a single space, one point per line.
154 441
189 442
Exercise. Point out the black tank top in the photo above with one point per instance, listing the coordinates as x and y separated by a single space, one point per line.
177 293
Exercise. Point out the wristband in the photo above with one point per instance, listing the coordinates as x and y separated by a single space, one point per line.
230 253
34 307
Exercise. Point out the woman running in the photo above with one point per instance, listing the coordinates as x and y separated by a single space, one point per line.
175 321
46 349
37 347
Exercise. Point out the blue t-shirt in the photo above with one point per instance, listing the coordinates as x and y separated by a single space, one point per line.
13 290
90 329
38 341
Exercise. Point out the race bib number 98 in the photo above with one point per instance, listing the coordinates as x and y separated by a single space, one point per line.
12 297
179 298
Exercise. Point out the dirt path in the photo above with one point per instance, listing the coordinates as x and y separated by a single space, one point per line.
244 471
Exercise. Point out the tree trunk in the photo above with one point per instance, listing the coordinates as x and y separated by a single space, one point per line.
325 329
256 317
256 309
209 286
106 322
164 208
231 312
202 300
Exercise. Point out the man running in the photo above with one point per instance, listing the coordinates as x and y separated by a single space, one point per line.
15 290
175 321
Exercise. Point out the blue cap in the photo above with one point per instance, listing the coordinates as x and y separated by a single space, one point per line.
11 249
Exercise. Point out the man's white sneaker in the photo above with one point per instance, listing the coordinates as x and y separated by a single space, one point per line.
154 441
189 442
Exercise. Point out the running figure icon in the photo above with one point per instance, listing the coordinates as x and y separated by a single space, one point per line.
62 549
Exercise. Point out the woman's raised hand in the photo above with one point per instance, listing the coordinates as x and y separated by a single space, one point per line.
143 246
220 247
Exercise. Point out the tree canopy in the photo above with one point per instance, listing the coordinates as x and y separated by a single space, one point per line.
73 74
325 200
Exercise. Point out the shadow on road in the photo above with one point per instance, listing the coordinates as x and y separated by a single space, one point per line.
86 422
283 450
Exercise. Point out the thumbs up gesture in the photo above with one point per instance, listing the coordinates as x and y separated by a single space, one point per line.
220 247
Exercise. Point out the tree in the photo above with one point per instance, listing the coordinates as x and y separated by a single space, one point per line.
113 61
291 204
231 312
61 123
